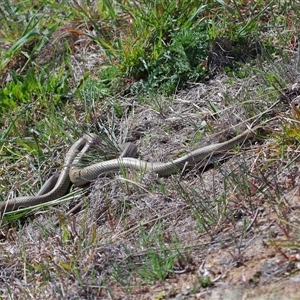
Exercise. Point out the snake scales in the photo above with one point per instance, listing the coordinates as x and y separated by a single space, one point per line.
79 176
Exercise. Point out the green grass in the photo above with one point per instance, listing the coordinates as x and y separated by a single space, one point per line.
143 53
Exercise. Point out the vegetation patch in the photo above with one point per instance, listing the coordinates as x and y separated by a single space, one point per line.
170 76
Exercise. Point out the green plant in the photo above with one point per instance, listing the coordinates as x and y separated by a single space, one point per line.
34 86
181 61
159 259
27 31
150 47
156 43
157 265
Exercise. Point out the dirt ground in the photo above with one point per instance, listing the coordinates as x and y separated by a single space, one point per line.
237 222
252 253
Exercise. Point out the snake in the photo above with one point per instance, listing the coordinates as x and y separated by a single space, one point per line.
72 173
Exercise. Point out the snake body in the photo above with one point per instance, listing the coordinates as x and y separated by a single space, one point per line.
61 187
79 176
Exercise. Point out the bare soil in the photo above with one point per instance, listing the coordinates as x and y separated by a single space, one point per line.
236 224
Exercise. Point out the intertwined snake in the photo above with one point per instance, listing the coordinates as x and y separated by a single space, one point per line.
80 176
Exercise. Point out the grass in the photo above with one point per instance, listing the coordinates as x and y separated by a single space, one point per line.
146 72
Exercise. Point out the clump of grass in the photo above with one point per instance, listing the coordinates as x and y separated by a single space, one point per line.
162 46
160 259
33 86
182 60
155 261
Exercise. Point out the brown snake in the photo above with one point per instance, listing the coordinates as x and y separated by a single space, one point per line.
79 176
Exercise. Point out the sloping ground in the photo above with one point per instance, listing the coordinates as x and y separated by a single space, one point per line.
227 232
231 229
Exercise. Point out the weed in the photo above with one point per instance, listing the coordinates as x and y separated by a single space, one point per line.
145 50
32 87
159 259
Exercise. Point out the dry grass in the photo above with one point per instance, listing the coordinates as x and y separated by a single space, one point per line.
238 206
228 231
